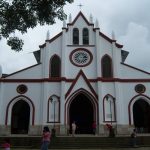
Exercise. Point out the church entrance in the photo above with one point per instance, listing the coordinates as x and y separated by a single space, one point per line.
20 117
82 112
141 116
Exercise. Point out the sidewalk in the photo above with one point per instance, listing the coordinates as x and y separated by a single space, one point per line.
138 148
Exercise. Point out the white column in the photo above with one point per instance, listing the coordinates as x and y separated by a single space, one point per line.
62 89
116 60
99 84
119 103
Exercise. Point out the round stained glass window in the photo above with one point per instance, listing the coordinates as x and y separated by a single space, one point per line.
21 89
81 57
140 88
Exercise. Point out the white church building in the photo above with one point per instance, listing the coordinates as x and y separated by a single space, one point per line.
80 76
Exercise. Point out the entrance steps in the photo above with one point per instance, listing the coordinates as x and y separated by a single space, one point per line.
77 142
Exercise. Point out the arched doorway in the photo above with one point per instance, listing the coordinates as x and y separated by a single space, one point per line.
141 116
20 117
82 112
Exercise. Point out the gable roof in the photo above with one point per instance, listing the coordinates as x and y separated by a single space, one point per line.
81 73
21 70
84 18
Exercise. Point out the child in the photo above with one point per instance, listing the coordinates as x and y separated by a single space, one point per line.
6 144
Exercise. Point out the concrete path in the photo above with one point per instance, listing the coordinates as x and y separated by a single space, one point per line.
137 148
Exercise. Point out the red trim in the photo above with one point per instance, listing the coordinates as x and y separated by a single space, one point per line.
54 38
48 110
105 37
81 14
78 49
85 45
135 68
59 79
118 45
129 106
51 40
33 108
72 80
42 46
110 40
81 73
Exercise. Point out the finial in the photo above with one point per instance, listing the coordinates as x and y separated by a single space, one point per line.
47 35
80 5
96 24
70 18
91 18
64 23
113 35
0 71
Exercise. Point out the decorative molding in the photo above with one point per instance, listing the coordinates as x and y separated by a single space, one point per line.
86 80
30 101
129 105
84 50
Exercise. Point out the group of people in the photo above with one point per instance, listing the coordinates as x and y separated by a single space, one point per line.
46 137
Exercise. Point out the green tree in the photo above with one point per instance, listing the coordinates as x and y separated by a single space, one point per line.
20 15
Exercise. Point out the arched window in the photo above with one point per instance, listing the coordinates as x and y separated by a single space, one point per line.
54 109
85 34
75 36
109 109
55 66
106 67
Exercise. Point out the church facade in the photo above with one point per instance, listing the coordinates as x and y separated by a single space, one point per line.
80 76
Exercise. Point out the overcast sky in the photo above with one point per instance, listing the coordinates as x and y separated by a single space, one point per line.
129 19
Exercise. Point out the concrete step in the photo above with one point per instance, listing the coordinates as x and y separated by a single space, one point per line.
69 142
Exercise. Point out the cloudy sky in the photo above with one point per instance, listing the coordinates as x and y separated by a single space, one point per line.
129 19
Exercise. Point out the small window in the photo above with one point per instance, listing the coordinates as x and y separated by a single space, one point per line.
85 36
106 67
21 89
75 36
140 88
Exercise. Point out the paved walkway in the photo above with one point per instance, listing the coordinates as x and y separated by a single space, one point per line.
138 148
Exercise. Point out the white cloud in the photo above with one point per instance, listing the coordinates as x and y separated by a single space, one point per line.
136 42
129 19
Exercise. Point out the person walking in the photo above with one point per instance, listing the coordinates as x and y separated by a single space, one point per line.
73 128
46 136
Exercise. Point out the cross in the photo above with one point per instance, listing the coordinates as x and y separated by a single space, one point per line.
80 5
